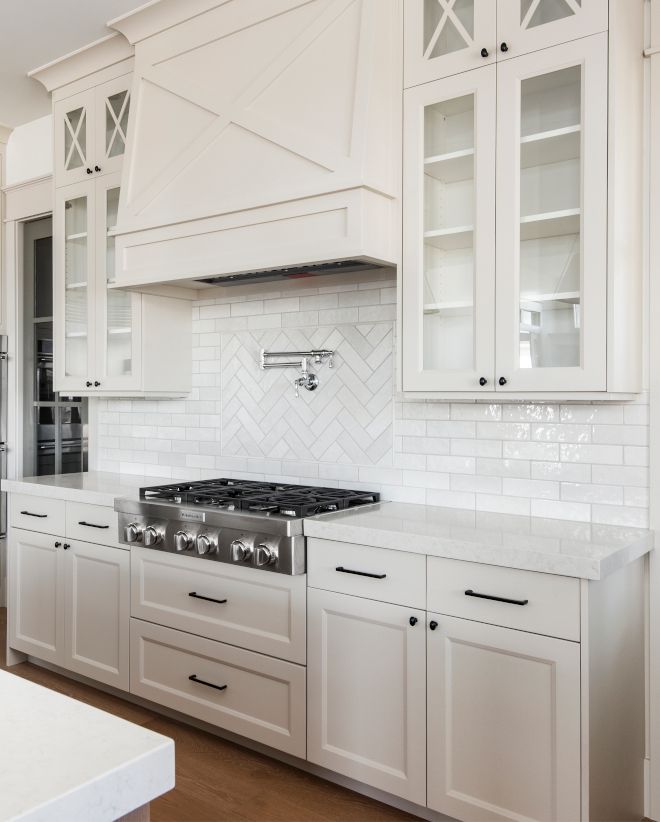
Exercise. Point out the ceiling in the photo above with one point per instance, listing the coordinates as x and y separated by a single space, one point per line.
34 32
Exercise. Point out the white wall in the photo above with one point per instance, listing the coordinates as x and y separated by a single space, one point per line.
30 150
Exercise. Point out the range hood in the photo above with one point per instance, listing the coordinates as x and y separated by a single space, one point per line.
264 141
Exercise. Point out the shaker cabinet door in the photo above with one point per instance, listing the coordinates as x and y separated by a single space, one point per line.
36 608
96 620
448 281
504 723
366 714
551 314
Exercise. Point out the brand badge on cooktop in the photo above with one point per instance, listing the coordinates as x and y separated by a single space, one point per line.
193 516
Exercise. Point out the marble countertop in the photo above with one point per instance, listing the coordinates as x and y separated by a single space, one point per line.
96 487
574 549
64 761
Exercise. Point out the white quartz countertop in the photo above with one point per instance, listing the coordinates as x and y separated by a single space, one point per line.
574 549
96 487
64 761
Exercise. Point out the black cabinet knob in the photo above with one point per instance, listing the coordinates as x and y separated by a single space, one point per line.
88 383
502 380
57 544
504 47
66 546
96 383
89 170
483 381
484 52
413 621
97 168
433 625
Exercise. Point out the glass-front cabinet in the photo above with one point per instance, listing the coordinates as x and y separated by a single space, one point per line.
445 37
118 312
449 232
91 130
552 219
508 292
96 327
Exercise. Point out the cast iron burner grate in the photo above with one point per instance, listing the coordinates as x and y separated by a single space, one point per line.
265 498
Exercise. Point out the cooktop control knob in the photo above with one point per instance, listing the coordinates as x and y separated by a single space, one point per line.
240 552
265 555
151 536
183 541
204 544
132 532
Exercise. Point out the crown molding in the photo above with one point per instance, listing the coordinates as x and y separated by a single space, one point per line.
159 15
102 53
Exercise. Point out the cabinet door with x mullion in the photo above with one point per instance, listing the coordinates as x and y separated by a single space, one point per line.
112 104
74 138
445 37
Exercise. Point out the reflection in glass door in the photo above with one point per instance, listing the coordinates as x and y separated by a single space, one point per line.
54 427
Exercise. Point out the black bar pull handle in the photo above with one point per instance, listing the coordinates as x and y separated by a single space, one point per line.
343 570
30 514
471 593
208 599
92 525
195 678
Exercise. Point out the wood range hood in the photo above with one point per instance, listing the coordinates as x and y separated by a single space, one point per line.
263 135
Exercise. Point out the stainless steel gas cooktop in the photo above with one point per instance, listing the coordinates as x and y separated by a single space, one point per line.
247 523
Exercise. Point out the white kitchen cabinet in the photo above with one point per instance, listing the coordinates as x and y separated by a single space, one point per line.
366 714
109 341
96 605
551 309
36 589
449 233
559 245
503 723
529 25
90 131
445 37
69 604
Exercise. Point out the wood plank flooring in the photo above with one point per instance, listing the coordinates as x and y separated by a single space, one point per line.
216 780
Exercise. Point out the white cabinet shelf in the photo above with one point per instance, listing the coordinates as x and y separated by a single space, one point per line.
451 167
550 224
547 147
450 238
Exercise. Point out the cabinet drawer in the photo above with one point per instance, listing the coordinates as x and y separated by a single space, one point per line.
92 523
255 609
542 603
37 513
363 571
249 694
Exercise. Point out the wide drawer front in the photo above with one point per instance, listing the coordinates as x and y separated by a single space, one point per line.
363 571
92 523
37 513
526 600
246 693
254 609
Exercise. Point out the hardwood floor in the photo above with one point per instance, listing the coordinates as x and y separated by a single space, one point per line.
216 780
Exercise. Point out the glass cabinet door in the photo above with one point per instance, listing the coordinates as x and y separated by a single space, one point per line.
74 138
444 37
552 219
528 25
113 100
74 286
449 234
118 311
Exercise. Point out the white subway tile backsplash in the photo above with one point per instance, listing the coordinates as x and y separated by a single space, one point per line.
578 461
